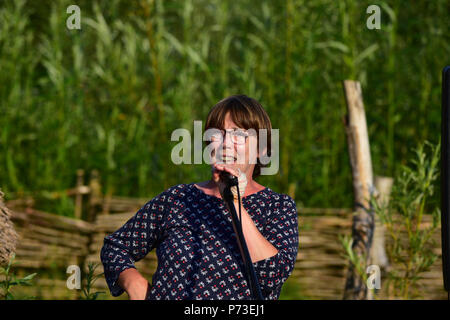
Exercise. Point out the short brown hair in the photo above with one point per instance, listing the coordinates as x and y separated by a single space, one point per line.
247 113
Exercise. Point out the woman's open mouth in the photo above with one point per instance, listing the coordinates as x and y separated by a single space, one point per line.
227 158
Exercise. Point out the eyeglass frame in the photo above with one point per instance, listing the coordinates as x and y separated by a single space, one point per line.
225 131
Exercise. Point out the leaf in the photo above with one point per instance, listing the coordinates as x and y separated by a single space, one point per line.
29 277
257 41
333 44
196 58
366 53
174 42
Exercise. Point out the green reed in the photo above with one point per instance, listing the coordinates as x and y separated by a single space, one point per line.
108 96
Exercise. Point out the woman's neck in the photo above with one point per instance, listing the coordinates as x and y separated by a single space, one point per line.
252 187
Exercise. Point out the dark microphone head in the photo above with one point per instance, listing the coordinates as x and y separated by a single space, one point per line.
229 179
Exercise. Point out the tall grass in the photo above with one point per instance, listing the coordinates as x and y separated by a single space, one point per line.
109 95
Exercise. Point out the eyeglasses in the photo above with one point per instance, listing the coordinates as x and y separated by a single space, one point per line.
238 136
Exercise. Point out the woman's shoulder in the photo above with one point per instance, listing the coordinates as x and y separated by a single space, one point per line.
279 200
176 191
272 194
171 195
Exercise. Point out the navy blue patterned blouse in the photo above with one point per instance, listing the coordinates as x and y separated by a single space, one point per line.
197 250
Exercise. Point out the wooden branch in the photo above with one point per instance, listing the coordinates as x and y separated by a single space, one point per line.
36 217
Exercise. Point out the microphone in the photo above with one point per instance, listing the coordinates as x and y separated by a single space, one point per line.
229 179
249 270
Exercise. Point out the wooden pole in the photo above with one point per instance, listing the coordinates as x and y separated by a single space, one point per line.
95 196
79 195
361 163
292 189
106 203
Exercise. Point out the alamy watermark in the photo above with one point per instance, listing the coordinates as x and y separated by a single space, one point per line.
74 280
374 280
74 20
374 20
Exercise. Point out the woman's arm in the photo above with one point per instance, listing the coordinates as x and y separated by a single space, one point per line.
282 232
134 284
129 244
258 246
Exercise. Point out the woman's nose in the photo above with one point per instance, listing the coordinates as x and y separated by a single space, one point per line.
227 141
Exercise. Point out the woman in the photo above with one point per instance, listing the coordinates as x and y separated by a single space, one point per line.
191 227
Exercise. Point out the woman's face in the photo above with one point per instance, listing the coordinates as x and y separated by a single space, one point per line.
242 156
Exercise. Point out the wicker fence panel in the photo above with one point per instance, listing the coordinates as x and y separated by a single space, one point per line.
49 243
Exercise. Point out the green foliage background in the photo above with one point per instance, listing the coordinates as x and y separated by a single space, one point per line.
108 96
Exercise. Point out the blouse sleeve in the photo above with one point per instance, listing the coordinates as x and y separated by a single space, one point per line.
282 232
138 236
